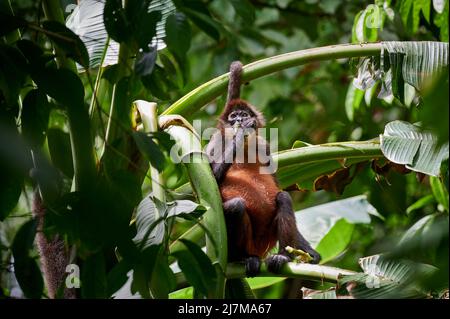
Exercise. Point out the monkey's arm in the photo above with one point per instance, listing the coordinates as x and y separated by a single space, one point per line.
220 164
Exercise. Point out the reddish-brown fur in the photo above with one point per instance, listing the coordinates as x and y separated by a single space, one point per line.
257 234
259 192
267 215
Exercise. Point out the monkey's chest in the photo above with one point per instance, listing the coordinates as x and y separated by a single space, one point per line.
258 190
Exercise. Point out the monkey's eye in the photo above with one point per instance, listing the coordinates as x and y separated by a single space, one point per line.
232 115
244 114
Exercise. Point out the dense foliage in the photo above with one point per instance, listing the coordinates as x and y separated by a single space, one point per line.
76 146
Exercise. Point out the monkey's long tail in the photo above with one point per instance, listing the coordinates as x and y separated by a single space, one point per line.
234 84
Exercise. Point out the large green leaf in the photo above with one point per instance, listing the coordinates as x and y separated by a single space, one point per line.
387 278
87 21
197 267
406 68
417 229
422 60
152 215
316 222
262 282
184 293
405 143
336 240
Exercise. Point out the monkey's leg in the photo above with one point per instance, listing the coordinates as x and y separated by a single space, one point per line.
288 235
239 231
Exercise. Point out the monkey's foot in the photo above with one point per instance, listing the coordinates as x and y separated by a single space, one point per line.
252 266
276 262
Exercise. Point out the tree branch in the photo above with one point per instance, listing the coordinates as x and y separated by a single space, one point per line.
197 98
291 270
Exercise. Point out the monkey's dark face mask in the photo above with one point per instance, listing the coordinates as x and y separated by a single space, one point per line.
241 118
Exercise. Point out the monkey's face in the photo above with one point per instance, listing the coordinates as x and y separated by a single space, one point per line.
241 118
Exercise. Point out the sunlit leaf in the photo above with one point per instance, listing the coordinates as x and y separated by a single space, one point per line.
420 203
184 293
419 61
353 101
404 143
388 278
329 294
315 222
87 21
439 191
263 282
335 241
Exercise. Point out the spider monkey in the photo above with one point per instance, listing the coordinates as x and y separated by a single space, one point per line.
257 212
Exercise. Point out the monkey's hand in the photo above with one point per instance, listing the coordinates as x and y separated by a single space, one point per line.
221 167
250 123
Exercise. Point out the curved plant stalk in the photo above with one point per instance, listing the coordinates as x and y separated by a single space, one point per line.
331 151
205 186
79 125
292 270
148 111
197 98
